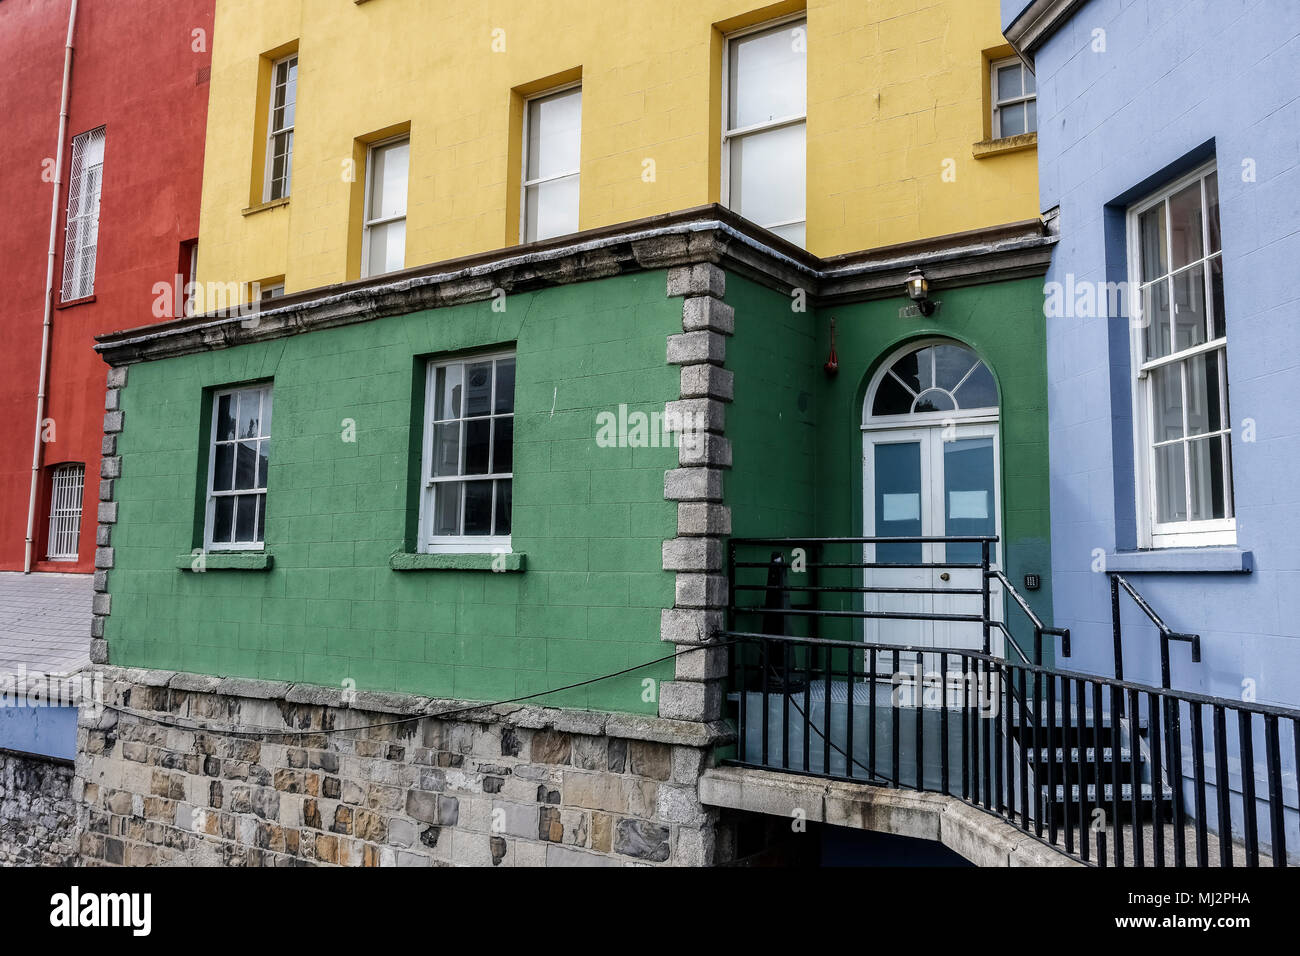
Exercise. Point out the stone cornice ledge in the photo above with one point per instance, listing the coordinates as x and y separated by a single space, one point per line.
1037 22
527 716
705 234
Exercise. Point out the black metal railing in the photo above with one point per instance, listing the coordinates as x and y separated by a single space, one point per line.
1167 634
1111 771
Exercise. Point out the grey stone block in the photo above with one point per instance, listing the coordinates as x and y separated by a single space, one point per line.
103 557
708 381
703 518
100 582
110 467
107 512
689 348
692 554
108 445
690 700
693 484
690 625
706 449
695 415
112 422
99 651
101 604
703 278
701 590
702 663
112 400
117 376
706 312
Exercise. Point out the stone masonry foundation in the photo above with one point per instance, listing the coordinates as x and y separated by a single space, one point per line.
505 786
37 818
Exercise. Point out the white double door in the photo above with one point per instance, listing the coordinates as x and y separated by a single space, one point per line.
932 481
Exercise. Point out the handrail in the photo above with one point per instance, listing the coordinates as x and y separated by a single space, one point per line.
1167 633
1039 627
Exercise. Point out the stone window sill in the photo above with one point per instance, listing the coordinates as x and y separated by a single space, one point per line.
1182 561
226 561
73 303
263 206
1008 144
480 561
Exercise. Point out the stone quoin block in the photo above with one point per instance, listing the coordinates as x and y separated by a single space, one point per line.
708 381
706 449
702 663
690 625
117 376
692 554
703 518
690 700
706 312
694 414
701 590
693 484
689 348
112 422
703 278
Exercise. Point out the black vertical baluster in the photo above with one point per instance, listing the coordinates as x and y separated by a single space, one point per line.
1051 759
1067 766
965 730
785 704
808 652
1009 759
1276 809
1135 772
1174 725
1222 786
872 736
893 704
765 681
1080 738
1245 731
920 722
848 708
943 725
975 765
1038 756
738 655
986 725
849 762
1157 780
1198 783
1024 751
1116 774
1099 740
992 719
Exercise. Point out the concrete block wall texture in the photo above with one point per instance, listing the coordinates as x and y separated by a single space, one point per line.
1178 82
895 90
518 787
591 520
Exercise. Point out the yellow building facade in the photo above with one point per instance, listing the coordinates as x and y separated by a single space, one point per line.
899 142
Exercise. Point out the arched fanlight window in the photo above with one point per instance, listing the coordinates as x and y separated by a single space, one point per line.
938 377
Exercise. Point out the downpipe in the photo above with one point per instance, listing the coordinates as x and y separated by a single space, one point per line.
48 323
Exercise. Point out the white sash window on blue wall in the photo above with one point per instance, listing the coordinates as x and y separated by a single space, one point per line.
1179 339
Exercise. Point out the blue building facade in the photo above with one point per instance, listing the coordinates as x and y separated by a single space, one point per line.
1169 147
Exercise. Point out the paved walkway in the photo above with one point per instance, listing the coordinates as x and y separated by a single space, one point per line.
44 622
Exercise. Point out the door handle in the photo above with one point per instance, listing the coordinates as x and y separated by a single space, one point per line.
944 576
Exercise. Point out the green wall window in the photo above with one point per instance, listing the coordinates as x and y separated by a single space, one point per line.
239 455
468 460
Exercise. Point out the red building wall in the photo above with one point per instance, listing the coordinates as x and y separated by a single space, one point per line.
140 69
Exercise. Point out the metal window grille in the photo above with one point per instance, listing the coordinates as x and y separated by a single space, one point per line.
81 238
65 512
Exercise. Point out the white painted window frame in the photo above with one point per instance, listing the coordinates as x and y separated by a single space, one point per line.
999 104
272 132
67 499
1173 534
81 229
457 544
209 511
728 135
367 222
524 181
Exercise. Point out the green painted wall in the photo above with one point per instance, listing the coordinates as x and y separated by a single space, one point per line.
590 519
797 434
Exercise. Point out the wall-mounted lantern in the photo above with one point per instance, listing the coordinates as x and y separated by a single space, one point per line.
918 290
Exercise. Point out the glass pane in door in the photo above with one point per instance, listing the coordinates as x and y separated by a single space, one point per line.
898 500
969 495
